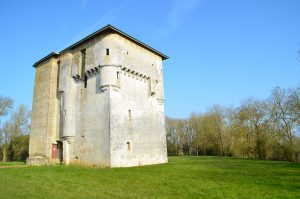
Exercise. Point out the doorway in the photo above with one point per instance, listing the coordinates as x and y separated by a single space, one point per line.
57 151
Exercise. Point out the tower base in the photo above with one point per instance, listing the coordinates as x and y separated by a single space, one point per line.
38 161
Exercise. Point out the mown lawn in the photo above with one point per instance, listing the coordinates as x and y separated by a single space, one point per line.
11 164
182 177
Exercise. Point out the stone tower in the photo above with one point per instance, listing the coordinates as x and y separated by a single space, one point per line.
99 102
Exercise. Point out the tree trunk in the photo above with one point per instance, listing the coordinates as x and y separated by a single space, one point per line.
4 154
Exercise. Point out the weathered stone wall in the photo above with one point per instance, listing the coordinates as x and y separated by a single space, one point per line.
44 110
92 135
86 119
136 115
116 120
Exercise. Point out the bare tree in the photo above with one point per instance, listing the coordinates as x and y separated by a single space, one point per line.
263 129
6 131
217 114
294 99
5 105
284 122
256 114
195 124
13 132
173 139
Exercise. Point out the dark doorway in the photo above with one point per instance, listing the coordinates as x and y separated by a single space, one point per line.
60 150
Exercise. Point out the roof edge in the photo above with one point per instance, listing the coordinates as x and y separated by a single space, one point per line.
107 27
52 54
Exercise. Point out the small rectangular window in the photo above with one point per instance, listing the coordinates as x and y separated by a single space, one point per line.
129 114
128 146
107 51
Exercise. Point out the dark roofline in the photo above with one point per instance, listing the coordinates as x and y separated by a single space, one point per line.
107 27
110 27
53 54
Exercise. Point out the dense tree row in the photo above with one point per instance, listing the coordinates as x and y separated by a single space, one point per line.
14 132
268 129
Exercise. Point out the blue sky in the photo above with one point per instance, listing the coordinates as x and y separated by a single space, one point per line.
221 51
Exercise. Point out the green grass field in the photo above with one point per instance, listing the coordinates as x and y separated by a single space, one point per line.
182 177
2 164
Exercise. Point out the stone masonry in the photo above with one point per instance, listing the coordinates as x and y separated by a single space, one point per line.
99 102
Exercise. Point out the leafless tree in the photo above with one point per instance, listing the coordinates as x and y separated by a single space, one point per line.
15 132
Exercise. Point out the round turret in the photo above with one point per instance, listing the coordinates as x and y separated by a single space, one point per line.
109 76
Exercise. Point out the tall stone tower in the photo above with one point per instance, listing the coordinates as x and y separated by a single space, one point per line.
99 102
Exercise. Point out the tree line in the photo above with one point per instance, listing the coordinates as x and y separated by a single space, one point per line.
262 129
14 131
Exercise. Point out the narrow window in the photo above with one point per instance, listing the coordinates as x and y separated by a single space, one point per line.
58 69
129 114
107 51
118 79
128 146
85 81
83 62
83 75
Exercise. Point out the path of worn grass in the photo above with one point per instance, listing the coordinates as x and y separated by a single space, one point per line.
182 177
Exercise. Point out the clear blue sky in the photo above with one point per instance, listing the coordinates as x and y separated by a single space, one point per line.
221 51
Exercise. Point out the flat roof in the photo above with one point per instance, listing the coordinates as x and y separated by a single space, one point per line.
105 28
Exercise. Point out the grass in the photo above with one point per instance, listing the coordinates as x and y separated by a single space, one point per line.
182 177
11 164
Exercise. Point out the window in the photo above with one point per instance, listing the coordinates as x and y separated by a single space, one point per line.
83 53
83 75
85 81
129 114
128 146
58 69
107 51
